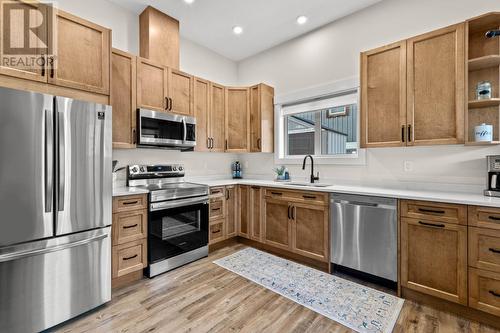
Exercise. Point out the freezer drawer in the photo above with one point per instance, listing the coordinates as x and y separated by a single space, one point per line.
48 282
364 234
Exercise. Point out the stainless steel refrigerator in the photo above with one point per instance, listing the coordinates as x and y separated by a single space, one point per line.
55 209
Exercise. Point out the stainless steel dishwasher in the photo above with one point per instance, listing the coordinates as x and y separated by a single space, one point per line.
364 234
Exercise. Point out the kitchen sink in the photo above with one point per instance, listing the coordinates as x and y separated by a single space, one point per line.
309 184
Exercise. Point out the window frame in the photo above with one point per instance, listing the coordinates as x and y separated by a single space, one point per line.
281 137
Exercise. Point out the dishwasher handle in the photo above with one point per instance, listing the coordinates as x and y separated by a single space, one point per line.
364 204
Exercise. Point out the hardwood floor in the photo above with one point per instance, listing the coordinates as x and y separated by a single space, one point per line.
203 297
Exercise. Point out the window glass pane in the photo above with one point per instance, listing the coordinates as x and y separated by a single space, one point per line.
300 134
339 130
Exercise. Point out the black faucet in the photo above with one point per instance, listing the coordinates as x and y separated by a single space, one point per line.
313 178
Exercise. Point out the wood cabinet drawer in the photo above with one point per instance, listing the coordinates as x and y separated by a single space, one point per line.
484 291
129 257
485 217
217 191
297 196
484 248
434 211
129 203
129 226
216 210
216 231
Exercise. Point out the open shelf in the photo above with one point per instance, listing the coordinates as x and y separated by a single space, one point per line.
484 62
484 103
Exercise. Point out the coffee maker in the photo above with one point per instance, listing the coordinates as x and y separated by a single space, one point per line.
493 176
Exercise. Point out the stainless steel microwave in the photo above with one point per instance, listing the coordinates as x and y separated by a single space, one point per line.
165 130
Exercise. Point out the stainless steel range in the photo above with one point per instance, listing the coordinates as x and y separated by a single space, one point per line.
177 219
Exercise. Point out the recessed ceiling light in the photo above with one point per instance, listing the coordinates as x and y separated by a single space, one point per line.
302 19
189 1
237 30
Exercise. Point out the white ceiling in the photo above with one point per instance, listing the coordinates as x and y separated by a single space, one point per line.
266 23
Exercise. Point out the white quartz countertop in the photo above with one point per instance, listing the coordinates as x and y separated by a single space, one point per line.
121 191
477 199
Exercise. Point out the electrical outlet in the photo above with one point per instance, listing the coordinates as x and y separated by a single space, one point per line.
408 166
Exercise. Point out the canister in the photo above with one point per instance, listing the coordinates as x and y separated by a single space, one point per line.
483 133
483 90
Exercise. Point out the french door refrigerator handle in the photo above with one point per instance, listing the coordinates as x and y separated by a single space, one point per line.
55 248
49 160
61 156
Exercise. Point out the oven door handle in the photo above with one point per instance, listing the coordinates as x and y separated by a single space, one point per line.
177 203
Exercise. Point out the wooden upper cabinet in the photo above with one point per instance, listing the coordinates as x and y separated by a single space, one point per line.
237 119
180 92
152 87
202 113
383 96
262 119
310 231
12 68
217 117
436 87
434 258
83 52
123 98
159 37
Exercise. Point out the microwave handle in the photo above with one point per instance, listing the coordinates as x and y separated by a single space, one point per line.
184 125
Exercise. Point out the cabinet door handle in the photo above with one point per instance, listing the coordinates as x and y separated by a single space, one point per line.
431 224
131 203
132 257
494 218
227 195
51 64
494 250
134 136
171 104
409 133
226 145
216 231
130 226
43 64
166 103
494 293
215 209
434 211
208 143
403 133
259 141
211 143
294 211
289 215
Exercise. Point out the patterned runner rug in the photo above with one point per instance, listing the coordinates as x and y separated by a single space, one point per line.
353 305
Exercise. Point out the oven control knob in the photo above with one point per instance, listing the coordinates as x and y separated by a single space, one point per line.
142 169
134 169
181 168
174 168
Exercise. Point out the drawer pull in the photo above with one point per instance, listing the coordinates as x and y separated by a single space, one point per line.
130 226
131 203
494 293
128 258
216 231
277 193
432 224
494 250
309 197
215 209
434 211
494 218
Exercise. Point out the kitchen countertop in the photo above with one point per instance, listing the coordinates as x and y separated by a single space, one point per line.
121 191
477 199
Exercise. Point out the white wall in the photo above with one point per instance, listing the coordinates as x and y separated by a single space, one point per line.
195 59
331 54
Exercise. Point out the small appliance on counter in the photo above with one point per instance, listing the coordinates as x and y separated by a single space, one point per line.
237 170
483 133
493 176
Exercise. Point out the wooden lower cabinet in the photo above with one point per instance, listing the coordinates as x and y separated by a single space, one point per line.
434 258
129 242
250 219
484 291
231 211
296 226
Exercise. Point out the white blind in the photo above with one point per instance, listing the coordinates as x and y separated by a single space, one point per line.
320 104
